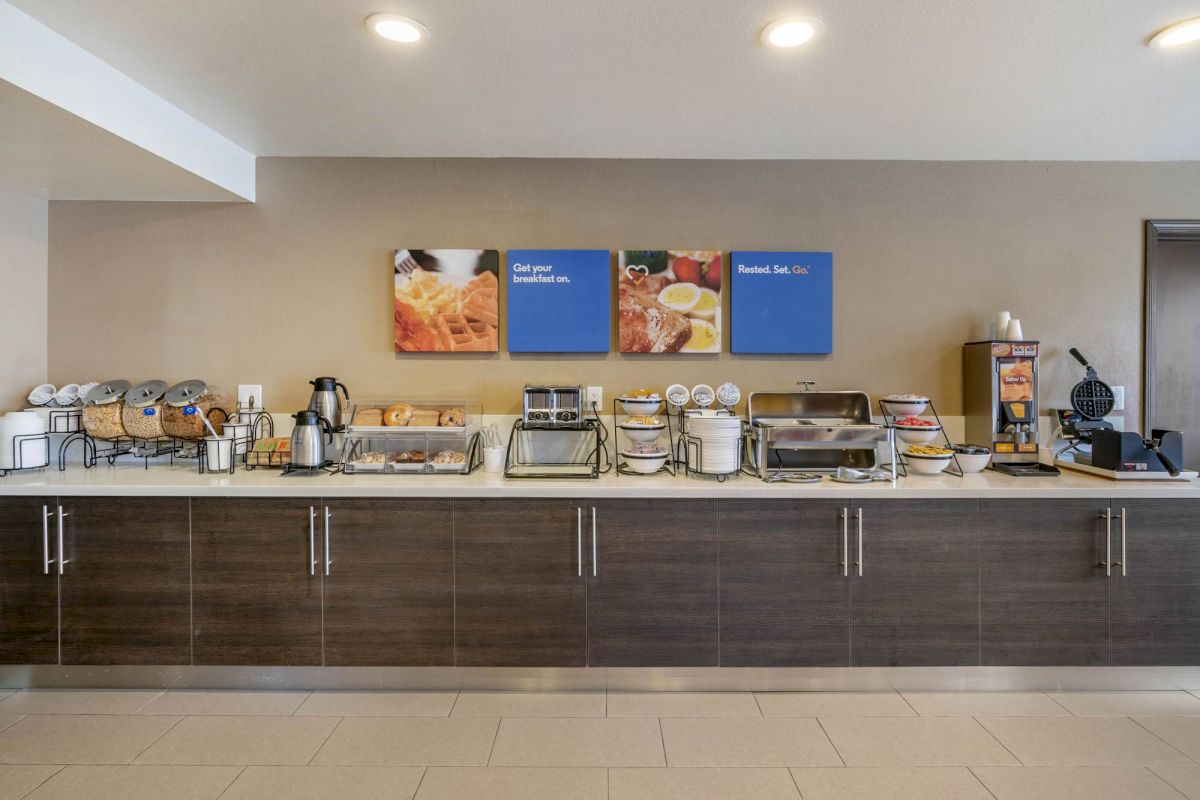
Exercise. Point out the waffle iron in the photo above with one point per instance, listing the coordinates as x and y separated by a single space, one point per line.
1092 400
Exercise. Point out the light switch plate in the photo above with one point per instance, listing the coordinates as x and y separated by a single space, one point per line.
1118 398
595 397
248 390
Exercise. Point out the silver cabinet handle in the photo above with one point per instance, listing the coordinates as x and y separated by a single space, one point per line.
312 541
1121 563
62 560
328 560
858 519
595 536
845 543
1107 562
46 559
579 539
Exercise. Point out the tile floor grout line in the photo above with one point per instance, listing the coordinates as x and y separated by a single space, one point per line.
1175 788
416 791
453 704
662 740
761 713
170 728
792 774
1191 761
986 788
829 739
495 738
146 704
225 791
1002 744
907 703
608 782
44 781
1052 699
300 705
324 741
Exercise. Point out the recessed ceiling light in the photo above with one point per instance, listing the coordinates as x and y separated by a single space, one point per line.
791 32
1178 34
397 28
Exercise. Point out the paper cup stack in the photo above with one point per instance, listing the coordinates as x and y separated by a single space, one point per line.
720 441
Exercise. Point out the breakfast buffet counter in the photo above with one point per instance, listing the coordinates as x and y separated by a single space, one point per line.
132 480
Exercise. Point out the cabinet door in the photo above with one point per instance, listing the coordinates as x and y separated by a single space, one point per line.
389 583
256 592
1043 591
519 589
652 586
1155 603
785 594
917 601
28 587
126 596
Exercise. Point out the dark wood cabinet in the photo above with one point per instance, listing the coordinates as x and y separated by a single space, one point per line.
1043 590
125 588
256 587
389 583
785 592
28 585
519 587
652 583
1154 602
917 600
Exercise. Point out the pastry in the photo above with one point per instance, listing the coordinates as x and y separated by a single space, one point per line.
369 417
450 457
453 418
397 414
416 455
401 458
374 457
424 418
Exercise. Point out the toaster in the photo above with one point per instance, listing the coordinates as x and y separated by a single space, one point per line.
553 407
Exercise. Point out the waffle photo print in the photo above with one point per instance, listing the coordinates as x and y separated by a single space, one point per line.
447 301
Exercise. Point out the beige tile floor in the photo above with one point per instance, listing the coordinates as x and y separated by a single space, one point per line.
200 745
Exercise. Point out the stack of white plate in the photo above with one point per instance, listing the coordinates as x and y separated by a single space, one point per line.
720 441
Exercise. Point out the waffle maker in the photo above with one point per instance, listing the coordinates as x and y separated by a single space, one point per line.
1091 401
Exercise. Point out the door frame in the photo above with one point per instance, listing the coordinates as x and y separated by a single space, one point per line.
1157 230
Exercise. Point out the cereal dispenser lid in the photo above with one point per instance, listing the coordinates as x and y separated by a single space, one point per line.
185 393
146 393
107 392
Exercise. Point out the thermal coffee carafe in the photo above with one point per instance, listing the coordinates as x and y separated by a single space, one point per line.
325 401
309 439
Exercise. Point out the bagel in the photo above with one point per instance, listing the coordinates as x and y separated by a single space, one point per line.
397 414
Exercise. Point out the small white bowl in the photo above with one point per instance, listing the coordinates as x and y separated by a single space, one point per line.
644 463
642 433
928 465
918 435
973 462
905 408
640 406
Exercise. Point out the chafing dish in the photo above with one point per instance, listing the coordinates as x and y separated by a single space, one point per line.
791 432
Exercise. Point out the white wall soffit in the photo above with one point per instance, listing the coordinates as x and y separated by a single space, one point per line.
45 64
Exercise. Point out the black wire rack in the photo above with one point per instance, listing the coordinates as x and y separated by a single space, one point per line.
693 452
20 447
588 466
900 465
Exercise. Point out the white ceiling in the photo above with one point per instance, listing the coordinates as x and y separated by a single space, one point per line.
889 79
49 152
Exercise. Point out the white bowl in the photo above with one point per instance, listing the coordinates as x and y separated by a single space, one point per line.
918 435
928 465
642 433
905 408
974 462
644 463
640 406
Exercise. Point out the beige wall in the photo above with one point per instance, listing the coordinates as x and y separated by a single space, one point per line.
299 284
23 310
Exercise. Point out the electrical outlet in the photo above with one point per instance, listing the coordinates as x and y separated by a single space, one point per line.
247 391
595 397
1118 398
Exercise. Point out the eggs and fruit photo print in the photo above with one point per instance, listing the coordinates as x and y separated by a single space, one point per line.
669 301
447 301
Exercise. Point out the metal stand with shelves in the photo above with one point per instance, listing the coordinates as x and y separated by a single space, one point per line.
899 465
516 466
622 466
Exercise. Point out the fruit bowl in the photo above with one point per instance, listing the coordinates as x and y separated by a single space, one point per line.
642 433
972 458
905 405
644 463
640 406
922 435
928 465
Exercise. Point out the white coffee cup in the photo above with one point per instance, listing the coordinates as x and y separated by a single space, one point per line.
493 458
1002 319
1014 333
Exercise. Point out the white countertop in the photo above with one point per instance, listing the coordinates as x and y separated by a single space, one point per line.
183 480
